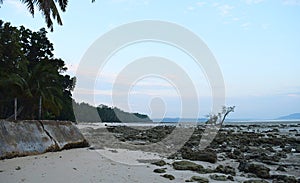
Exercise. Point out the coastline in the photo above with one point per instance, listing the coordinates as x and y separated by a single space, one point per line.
100 162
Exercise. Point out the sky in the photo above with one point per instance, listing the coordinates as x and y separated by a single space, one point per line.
255 43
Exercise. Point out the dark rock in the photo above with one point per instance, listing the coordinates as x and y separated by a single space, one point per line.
168 176
218 177
203 155
255 181
259 170
230 178
187 165
287 149
18 168
293 130
159 170
283 178
159 163
237 152
281 168
199 179
225 170
297 148
92 148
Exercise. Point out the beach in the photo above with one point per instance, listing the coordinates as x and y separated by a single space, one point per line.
75 165
265 153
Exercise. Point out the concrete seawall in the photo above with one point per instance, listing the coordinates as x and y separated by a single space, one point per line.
22 138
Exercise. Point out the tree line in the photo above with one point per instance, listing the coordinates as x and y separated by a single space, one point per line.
87 113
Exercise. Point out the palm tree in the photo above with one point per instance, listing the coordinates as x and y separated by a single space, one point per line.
43 81
48 9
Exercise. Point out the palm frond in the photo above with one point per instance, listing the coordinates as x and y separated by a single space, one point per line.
30 6
63 4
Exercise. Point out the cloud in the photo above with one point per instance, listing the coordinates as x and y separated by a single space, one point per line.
246 25
18 5
224 10
235 19
294 95
265 26
84 91
291 2
215 4
253 1
201 3
191 8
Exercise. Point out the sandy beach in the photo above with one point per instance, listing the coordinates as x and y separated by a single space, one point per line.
76 165
271 155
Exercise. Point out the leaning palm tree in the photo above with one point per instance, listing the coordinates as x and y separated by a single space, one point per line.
48 9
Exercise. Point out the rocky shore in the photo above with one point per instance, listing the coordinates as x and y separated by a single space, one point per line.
239 153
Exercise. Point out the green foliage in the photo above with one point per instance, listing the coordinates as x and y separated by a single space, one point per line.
29 70
87 113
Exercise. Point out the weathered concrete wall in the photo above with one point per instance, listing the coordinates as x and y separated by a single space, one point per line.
23 138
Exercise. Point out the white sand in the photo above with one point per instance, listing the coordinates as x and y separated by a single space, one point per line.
76 165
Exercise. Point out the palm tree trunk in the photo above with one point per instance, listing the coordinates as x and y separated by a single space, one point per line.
16 107
40 108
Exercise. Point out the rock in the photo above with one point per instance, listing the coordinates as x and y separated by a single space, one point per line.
168 176
18 168
259 170
297 149
225 170
199 179
230 178
159 163
237 152
293 130
187 165
159 170
203 155
218 177
22 138
281 168
283 178
255 181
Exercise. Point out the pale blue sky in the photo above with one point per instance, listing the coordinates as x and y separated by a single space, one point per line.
255 42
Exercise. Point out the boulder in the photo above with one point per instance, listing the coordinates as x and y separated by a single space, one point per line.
225 170
199 179
21 138
259 170
159 163
168 176
200 155
283 178
187 165
159 170
218 177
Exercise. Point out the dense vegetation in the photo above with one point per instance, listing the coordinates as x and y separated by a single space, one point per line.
30 72
86 112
